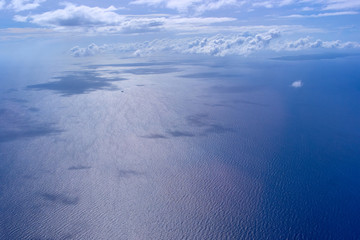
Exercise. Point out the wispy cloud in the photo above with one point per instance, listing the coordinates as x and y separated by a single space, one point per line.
22 5
2 4
328 14
342 4
198 6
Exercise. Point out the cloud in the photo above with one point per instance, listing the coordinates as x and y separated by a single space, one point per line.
82 18
2 4
197 6
22 5
342 4
328 14
218 45
297 84
307 43
232 45
91 50
72 15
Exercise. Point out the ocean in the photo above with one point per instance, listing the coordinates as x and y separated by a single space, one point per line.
180 148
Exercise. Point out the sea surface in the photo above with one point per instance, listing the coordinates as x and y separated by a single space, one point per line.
180 148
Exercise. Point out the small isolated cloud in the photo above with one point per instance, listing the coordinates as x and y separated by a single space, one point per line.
297 84
22 5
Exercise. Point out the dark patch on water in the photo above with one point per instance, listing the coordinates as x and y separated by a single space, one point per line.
95 66
15 126
78 83
197 120
11 90
127 173
79 167
147 71
215 128
211 75
60 198
33 109
154 136
309 57
233 89
181 134
250 103
17 100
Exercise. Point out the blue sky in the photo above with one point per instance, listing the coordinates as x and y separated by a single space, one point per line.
208 27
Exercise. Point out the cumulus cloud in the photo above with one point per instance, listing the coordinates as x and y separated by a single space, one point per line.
218 45
90 50
308 43
107 20
72 15
297 84
232 45
22 5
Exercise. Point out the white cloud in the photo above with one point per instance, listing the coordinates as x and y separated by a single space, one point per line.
91 50
307 43
72 15
2 4
297 84
218 45
342 4
232 45
328 14
22 5
197 6
107 20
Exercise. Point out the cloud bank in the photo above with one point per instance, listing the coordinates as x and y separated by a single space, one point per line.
218 45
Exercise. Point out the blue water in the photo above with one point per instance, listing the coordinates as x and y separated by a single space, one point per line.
219 148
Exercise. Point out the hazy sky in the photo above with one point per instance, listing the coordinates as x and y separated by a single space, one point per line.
213 27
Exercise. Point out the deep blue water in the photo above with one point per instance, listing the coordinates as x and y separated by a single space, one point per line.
219 148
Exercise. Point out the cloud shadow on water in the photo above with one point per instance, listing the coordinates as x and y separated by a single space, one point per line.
122 173
154 136
149 64
148 71
77 83
215 128
197 120
211 75
181 134
60 198
14 126
78 167
233 89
